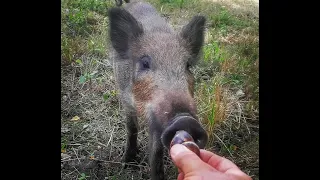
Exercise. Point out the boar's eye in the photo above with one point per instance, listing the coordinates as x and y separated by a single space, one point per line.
188 66
144 63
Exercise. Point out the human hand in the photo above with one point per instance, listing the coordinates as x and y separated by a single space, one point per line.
208 166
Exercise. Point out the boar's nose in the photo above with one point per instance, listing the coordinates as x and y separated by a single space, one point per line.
187 123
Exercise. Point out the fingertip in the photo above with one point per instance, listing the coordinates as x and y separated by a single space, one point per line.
185 159
177 149
180 176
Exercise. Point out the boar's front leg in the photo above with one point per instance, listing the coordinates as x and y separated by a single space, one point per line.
156 152
132 134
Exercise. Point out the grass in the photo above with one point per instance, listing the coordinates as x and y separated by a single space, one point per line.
83 26
227 88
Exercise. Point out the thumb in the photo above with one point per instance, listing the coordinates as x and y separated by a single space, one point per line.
186 160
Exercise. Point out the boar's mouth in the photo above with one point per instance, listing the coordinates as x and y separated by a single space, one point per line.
186 123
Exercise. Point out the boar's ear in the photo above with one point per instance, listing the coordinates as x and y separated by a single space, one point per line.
193 34
123 29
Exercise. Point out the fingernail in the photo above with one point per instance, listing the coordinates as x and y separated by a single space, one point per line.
176 149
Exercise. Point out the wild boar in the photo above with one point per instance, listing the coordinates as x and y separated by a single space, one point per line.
152 70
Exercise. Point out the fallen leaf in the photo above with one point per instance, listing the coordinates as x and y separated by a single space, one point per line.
85 126
75 118
64 156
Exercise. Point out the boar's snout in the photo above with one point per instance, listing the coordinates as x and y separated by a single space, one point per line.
187 123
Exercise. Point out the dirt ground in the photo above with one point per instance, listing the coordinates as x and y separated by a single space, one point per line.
93 129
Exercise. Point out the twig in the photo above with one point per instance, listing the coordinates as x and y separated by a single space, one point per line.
76 155
74 144
110 137
102 144
68 160
246 125
231 115
70 173
122 163
110 152
72 80
65 158
238 118
252 126
79 135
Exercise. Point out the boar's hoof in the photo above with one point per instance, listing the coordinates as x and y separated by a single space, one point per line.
130 156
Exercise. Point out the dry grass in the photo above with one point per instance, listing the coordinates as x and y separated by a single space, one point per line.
227 105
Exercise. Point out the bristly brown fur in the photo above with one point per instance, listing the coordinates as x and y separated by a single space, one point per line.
142 91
